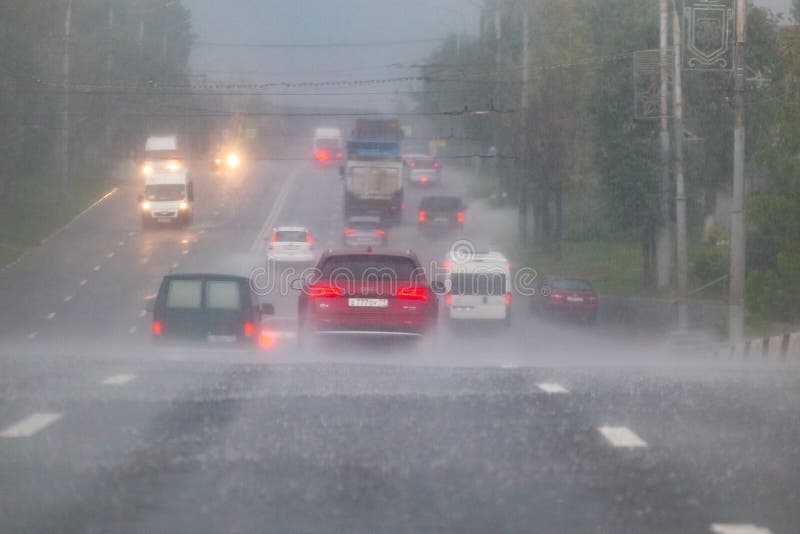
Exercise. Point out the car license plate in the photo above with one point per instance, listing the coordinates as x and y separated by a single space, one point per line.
164 220
574 299
221 339
368 303
441 219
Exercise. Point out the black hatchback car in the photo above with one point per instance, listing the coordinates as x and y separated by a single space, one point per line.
441 213
215 308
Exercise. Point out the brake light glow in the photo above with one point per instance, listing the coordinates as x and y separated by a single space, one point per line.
324 291
424 179
412 164
448 299
435 164
248 329
322 155
379 232
157 327
413 293
308 239
508 299
274 238
421 216
461 217
349 231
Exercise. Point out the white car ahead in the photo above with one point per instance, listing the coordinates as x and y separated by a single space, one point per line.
291 244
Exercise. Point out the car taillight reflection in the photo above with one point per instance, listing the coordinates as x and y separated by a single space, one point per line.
435 164
508 299
349 231
157 327
461 217
379 232
324 291
421 216
248 329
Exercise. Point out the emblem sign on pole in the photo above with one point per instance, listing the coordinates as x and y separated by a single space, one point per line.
648 67
708 31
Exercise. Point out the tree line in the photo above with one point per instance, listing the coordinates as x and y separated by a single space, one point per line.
591 168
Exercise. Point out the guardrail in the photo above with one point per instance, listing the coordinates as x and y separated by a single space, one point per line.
786 347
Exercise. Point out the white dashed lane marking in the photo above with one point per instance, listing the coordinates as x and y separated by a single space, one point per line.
552 388
132 330
110 255
33 335
97 268
83 283
174 265
733 528
51 315
184 252
620 436
131 234
30 425
67 299
142 313
118 380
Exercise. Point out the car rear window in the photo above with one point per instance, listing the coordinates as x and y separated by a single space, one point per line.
290 236
222 295
440 203
184 294
571 283
425 163
491 284
360 266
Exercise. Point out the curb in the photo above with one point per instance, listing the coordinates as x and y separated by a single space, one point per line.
785 347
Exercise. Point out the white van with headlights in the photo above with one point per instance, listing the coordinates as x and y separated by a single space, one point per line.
168 198
478 287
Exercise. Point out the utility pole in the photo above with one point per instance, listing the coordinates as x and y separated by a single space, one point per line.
498 57
110 78
738 235
663 231
680 190
523 168
65 148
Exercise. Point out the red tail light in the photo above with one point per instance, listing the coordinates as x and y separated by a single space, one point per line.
508 299
556 297
324 291
413 293
309 240
412 164
274 238
379 232
421 216
339 155
448 299
157 327
248 329
322 155
435 164
349 231
461 217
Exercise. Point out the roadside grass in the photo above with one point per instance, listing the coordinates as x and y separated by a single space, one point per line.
37 209
613 267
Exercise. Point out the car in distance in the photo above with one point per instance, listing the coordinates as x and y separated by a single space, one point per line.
437 213
366 294
214 308
291 244
422 169
566 296
478 288
168 199
364 231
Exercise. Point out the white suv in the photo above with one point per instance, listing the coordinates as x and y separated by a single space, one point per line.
478 288
291 244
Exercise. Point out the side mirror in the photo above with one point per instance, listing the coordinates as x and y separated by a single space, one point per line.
190 191
267 308
150 304
140 199
438 287
297 284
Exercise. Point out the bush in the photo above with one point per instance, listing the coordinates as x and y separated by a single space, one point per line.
774 294
710 263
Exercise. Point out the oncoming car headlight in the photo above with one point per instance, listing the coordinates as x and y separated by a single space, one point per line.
183 205
232 160
145 205
174 166
147 169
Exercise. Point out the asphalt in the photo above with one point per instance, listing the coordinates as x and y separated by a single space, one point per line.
541 427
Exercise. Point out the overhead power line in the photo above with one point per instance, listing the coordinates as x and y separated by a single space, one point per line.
369 44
